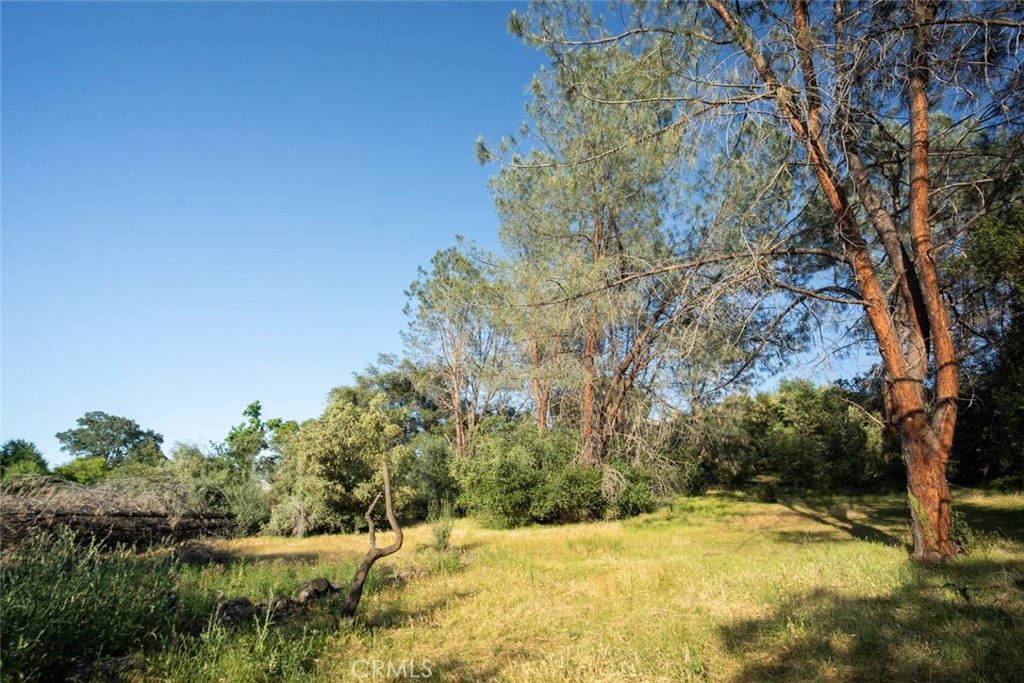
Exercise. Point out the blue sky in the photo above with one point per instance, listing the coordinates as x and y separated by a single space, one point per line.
209 204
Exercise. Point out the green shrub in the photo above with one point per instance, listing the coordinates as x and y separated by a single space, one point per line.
429 473
1008 484
499 480
511 488
518 475
569 494
64 604
635 497
84 470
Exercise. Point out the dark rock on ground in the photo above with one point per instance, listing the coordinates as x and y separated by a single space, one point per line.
313 589
234 610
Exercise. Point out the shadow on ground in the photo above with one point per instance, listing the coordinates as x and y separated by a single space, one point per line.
880 522
1006 522
959 622
837 516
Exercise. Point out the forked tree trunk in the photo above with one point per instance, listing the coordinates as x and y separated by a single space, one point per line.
930 508
355 593
926 446
925 428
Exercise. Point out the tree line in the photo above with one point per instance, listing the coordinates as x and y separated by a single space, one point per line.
700 191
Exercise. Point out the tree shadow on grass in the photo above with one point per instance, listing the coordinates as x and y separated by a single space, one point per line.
1006 522
959 622
397 613
837 516
287 558
883 517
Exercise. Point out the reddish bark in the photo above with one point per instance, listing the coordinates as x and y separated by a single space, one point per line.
925 443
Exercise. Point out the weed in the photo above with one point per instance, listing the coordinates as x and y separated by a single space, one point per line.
64 604
441 523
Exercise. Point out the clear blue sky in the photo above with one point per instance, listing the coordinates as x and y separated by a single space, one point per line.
209 204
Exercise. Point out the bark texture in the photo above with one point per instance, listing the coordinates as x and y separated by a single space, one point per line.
355 593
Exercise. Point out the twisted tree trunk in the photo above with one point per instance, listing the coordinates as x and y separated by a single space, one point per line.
355 593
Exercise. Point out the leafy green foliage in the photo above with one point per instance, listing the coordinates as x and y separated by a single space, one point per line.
987 446
424 465
85 470
216 484
117 440
458 337
19 457
517 475
799 436
246 441
500 480
330 468
231 476
635 496
815 438
569 494
404 386
254 445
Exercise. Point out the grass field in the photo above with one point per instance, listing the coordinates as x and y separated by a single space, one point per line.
715 588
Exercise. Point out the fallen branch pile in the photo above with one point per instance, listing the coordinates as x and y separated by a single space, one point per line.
128 511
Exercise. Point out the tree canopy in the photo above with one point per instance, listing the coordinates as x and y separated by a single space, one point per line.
117 440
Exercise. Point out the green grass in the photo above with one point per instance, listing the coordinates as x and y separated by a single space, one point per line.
715 588
62 605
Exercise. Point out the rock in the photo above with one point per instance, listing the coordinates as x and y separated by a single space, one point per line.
234 610
313 589
279 604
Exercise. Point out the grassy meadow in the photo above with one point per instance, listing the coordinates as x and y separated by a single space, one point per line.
714 588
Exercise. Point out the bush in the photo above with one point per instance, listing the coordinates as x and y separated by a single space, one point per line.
215 484
569 494
84 470
1008 484
518 475
63 604
426 468
635 496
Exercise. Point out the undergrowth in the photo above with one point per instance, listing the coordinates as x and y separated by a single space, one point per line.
64 604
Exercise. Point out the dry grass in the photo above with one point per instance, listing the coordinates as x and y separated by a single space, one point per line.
115 510
715 588
124 494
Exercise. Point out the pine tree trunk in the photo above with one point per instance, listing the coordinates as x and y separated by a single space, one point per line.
588 435
930 508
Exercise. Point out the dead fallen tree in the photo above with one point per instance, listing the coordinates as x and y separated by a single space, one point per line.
125 511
